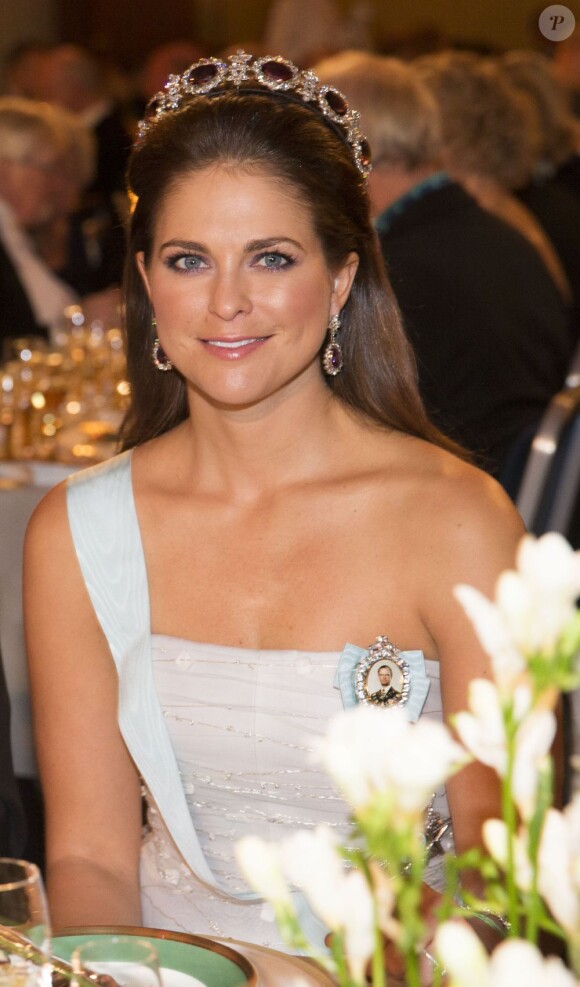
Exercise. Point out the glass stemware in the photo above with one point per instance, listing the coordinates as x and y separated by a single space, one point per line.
128 960
24 911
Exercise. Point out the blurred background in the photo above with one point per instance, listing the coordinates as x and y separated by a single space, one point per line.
126 32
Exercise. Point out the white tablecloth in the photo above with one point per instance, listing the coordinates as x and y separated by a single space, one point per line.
31 482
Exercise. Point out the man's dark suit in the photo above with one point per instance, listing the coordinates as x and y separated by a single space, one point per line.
490 331
16 315
386 698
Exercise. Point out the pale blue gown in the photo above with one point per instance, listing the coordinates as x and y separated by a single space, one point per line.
221 736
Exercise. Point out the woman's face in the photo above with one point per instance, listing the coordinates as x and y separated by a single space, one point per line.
239 285
29 186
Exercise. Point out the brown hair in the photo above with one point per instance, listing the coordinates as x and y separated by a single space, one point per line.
283 138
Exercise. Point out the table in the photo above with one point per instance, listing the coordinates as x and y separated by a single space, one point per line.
22 485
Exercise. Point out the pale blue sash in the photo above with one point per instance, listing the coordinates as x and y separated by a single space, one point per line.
108 544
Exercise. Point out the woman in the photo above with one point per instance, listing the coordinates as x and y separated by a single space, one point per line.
282 493
33 297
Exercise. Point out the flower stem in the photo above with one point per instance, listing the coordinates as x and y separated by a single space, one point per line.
379 973
510 819
410 915
574 953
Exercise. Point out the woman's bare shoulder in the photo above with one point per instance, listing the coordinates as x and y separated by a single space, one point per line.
49 520
457 489
464 524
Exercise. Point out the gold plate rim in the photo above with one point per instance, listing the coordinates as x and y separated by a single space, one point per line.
213 945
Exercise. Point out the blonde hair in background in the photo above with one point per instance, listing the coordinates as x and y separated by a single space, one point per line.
398 113
533 74
489 128
26 129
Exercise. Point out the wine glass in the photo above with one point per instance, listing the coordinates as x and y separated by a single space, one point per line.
128 960
23 913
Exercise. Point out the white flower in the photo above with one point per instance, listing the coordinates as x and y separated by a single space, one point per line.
384 901
370 753
312 862
340 896
359 925
533 742
514 963
559 865
532 605
550 567
462 954
495 838
507 661
482 731
261 865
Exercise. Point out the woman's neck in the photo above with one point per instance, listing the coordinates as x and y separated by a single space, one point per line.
246 452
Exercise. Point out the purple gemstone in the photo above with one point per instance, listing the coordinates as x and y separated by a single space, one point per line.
277 71
336 358
365 153
202 74
337 102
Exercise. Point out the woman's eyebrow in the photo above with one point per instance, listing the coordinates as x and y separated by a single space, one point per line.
270 242
185 245
249 247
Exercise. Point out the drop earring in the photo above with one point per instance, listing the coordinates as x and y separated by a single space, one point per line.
332 361
159 357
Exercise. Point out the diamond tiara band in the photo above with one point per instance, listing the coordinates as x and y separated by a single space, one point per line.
273 73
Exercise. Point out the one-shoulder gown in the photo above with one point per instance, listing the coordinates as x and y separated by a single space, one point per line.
221 736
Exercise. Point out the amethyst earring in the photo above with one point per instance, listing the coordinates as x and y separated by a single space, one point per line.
158 355
332 361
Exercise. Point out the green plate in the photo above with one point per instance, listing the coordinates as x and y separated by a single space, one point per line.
215 964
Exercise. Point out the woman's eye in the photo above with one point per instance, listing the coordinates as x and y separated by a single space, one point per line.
186 262
274 260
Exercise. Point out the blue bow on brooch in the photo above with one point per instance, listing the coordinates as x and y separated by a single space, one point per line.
384 677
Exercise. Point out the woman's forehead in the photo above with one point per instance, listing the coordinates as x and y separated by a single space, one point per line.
234 195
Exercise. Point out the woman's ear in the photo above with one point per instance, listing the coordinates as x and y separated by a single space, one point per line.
342 282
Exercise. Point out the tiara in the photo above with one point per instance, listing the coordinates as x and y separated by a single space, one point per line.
274 73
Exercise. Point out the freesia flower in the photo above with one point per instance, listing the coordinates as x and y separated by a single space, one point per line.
507 661
495 837
550 571
462 954
514 963
370 754
341 897
558 861
311 861
533 605
261 865
559 865
533 742
482 731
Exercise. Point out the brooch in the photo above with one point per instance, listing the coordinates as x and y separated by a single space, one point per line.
384 677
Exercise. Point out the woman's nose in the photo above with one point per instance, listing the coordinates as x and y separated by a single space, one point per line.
229 296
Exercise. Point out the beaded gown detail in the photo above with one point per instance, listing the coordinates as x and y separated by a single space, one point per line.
242 724
221 736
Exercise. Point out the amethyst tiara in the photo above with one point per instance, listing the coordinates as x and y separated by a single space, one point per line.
274 73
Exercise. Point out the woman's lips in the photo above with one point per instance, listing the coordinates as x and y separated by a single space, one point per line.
234 349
